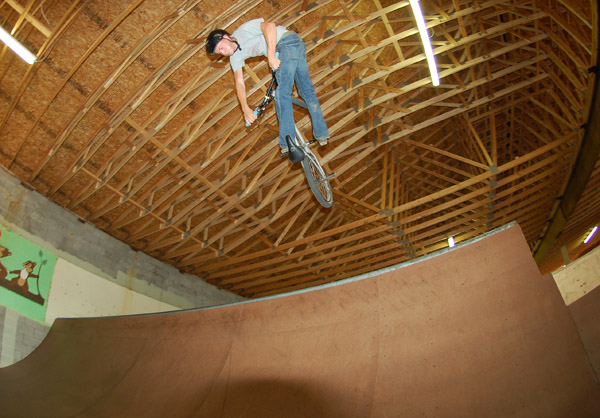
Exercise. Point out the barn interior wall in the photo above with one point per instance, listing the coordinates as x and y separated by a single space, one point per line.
93 260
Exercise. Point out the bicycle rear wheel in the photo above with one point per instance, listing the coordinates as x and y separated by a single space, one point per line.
317 179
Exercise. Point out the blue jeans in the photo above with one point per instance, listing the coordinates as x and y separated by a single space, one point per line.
292 53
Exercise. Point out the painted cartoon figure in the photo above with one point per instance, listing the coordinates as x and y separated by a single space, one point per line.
4 252
25 273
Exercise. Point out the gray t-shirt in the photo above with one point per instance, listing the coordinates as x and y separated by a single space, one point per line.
252 41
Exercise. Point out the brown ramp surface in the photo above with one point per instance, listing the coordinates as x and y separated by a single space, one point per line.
475 331
586 314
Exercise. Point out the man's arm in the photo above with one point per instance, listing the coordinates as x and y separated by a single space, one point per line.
240 89
269 30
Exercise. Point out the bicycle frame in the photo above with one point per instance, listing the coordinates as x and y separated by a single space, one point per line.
269 97
299 151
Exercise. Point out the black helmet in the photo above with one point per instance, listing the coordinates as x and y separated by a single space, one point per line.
213 39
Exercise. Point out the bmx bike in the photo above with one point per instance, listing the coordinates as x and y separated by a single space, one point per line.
299 151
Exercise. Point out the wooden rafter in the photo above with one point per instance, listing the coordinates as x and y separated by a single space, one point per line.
152 148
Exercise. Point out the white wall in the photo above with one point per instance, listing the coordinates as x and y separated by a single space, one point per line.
76 292
579 277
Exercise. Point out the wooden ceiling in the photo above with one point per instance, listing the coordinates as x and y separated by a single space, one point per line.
125 121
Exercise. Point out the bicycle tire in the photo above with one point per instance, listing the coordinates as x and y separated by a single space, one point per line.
317 179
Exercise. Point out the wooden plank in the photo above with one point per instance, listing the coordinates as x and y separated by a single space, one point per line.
410 205
475 136
24 12
438 98
575 34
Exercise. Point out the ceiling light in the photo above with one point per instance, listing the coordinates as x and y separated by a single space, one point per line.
16 46
589 237
451 242
416 8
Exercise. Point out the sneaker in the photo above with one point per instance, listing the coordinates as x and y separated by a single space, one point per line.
284 151
322 141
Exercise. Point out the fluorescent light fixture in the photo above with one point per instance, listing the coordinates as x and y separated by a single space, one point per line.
451 242
16 46
416 8
589 237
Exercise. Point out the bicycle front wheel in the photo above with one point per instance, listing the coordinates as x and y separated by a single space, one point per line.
317 179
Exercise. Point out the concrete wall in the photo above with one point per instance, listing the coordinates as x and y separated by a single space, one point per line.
99 275
19 336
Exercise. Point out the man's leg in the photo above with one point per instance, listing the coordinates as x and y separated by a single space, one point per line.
307 92
288 54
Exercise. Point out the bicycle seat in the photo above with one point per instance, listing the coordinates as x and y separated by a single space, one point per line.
296 154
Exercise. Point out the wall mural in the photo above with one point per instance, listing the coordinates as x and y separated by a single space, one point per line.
25 275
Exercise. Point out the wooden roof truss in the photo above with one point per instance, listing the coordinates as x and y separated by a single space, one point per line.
140 133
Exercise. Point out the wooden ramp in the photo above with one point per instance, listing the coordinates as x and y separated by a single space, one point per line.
475 331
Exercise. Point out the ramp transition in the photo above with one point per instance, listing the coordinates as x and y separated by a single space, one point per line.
475 331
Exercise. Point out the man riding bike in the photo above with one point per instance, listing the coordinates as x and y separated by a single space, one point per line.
286 53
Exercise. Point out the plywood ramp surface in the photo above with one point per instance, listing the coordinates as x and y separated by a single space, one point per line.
475 331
